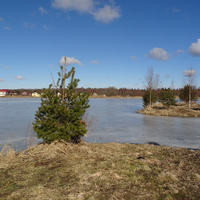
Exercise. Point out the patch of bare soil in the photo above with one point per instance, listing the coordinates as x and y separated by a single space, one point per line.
180 110
99 171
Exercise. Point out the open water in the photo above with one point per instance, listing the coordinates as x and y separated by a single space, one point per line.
115 120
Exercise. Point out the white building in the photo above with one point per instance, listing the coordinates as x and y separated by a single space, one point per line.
36 95
4 93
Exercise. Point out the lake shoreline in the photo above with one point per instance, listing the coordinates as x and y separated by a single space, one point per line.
92 96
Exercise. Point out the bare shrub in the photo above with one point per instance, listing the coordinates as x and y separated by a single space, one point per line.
90 123
30 136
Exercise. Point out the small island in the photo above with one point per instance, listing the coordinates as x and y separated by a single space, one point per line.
178 110
165 102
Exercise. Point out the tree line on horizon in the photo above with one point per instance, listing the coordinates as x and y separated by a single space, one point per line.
109 91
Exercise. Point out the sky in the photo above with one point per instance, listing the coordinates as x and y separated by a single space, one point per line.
109 42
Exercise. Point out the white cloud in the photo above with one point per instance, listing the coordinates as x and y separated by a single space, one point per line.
51 66
158 54
189 73
107 14
2 22
45 27
42 10
179 51
5 67
94 62
167 75
133 57
2 80
6 28
29 25
19 78
84 6
175 10
69 61
194 48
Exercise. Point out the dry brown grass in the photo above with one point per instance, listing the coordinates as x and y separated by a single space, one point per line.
100 171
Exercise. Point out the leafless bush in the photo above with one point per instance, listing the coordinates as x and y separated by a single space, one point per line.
90 123
30 136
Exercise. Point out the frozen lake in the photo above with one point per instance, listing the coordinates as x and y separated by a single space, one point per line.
116 120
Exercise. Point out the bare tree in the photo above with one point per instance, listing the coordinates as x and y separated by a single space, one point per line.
172 84
149 83
190 74
158 82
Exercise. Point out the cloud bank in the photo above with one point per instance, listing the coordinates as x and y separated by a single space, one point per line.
194 48
158 54
106 14
69 61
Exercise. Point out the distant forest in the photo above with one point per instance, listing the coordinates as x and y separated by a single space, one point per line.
110 91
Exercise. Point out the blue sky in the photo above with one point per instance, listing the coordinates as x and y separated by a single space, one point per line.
109 42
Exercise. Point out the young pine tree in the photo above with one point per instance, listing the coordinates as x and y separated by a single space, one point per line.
188 93
167 97
60 115
149 99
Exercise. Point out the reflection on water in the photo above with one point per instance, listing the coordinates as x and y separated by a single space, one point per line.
116 121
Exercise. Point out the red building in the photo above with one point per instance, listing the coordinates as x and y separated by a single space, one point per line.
4 92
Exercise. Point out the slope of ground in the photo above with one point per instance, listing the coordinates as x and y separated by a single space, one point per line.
100 171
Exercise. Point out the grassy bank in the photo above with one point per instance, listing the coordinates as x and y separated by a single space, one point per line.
180 110
100 171
18 96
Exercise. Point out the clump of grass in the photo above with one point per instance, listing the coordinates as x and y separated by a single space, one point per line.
100 171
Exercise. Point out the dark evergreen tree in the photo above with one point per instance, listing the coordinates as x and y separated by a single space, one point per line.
184 93
167 97
60 115
146 97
